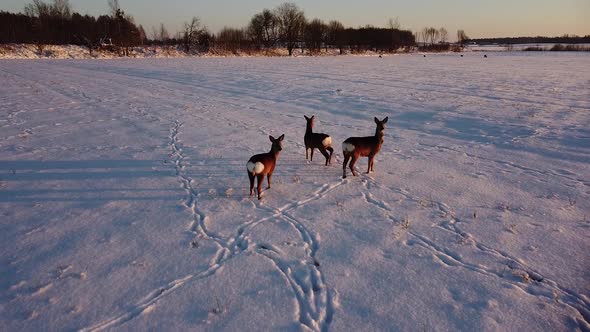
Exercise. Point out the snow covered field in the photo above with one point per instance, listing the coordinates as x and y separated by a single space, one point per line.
124 195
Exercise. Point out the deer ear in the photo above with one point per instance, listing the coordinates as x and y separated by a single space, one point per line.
313 116
272 139
306 118
281 137
376 120
385 120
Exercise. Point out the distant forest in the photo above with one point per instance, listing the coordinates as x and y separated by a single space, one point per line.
567 39
285 26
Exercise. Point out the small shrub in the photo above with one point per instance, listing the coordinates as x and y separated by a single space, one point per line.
40 48
456 48
435 48
557 47
570 48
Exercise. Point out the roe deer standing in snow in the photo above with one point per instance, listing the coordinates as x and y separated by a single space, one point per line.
264 164
369 146
318 141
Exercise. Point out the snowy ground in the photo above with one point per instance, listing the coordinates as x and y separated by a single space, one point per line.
124 196
32 51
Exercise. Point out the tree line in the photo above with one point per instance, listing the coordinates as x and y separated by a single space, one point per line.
55 23
285 26
565 39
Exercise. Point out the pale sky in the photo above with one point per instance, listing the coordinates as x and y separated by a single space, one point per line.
479 18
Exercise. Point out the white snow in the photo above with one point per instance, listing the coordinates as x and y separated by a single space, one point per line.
124 201
32 51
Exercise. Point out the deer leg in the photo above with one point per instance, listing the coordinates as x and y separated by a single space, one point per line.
268 176
331 152
251 176
370 164
325 153
352 162
260 178
346 159
306 153
312 154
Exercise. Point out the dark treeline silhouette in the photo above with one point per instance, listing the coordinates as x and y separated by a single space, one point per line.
378 39
283 27
567 39
55 23
286 26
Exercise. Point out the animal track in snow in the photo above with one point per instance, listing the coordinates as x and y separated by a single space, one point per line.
315 305
569 298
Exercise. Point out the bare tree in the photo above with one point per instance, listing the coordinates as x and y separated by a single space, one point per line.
435 35
394 26
155 33
461 37
255 30
263 28
191 33
315 34
115 7
393 23
37 8
430 35
425 33
163 34
142 34
444 35
49 21
61 9
270 25
233 40
336 35
291 24
417 36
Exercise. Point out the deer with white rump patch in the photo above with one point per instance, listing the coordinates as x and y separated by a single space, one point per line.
322 142
369 146
264 164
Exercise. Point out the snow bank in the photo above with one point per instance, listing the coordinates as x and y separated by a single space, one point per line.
30 51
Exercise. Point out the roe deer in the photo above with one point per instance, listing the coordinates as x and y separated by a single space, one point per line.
355 147
318 141
264 164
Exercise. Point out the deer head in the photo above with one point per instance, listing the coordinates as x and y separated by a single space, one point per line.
309 121
380 131
277 145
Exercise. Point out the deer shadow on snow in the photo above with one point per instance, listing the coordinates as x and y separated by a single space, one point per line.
86 177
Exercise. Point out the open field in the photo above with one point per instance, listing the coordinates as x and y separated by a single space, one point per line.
124 195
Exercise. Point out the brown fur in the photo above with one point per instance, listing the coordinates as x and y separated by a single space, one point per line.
367 146
314 141
269 160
